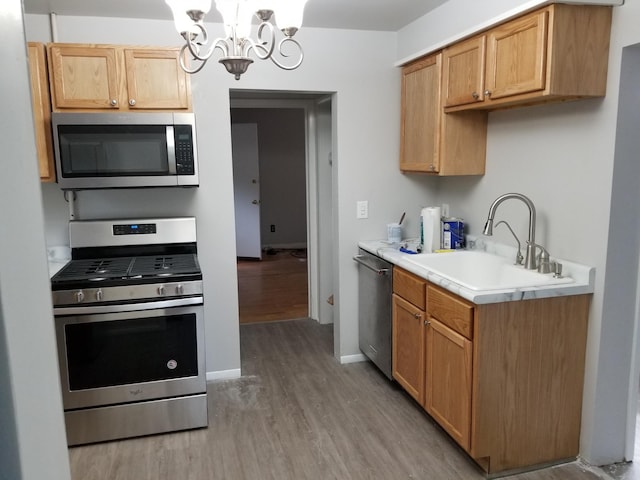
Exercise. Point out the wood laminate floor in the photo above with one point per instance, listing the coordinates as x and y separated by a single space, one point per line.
298 414
274 288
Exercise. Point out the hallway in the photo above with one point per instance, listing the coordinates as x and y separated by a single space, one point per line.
274 288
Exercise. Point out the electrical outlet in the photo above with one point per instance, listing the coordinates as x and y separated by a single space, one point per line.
273 228
362 209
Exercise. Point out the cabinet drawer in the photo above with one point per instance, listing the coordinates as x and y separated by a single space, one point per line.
450 310
410 287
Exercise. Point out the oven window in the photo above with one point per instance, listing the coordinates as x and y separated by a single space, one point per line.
113 150
103 354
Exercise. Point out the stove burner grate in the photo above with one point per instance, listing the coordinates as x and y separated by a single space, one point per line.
164 265
96 269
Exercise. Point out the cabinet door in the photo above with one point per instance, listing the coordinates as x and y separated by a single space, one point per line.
463 72
155 79
421 114
448 380
83 77
516 56
408 347
41 111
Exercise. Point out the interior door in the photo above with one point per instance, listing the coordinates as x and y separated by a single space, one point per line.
246 187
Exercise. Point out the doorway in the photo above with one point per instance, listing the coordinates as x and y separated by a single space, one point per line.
285 281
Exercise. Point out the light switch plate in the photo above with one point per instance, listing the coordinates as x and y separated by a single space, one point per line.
362 209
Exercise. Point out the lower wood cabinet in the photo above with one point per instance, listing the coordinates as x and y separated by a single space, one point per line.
408 350
448 375
504 380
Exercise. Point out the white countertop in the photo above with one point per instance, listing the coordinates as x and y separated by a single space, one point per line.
55 266
583 276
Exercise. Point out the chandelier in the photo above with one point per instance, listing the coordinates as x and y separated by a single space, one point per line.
235 47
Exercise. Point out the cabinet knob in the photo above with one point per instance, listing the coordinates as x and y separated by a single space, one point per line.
432 167
113 102
427 323
417 315
487 93
132 102
475 95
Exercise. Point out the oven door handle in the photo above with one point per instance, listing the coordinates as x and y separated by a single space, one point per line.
127 307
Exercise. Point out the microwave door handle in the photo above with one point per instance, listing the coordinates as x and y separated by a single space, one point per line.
171 150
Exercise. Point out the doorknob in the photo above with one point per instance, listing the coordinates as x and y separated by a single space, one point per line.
255 202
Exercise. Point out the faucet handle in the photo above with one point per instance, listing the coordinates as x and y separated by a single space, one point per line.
544 260
557 270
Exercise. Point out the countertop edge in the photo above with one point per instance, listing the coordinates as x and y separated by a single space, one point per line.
584 278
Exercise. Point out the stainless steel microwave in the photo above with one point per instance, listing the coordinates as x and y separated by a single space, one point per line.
112 150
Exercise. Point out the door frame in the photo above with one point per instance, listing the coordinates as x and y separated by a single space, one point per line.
275 100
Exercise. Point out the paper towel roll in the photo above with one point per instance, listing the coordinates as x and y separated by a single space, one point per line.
430 229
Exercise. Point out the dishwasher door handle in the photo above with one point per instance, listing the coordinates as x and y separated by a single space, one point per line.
379 271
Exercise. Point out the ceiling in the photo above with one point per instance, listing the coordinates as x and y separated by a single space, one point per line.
381 15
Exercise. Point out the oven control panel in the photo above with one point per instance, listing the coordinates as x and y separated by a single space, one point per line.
128 294
134 229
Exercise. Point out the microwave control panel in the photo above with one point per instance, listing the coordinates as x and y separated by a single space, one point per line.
184 150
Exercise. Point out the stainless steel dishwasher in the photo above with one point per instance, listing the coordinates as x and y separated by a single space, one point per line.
375 286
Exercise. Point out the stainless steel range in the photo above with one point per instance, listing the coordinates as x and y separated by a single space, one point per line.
130 329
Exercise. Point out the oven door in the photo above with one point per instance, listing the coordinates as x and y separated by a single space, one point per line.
130 356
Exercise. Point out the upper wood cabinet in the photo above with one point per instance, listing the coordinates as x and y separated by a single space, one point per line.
431 140
41 106
464 72
556 53
114 77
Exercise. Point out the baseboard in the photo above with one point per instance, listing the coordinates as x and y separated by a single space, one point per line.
358 357
224 375
285 246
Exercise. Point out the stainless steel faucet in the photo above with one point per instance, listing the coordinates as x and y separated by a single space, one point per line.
530 254
519 257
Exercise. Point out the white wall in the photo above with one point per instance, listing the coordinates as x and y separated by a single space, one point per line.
32 435
562 157
366 123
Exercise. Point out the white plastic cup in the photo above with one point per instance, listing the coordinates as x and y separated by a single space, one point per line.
394 233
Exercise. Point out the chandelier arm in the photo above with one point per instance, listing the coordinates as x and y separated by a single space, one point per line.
300 52
195 47
266 46
187 69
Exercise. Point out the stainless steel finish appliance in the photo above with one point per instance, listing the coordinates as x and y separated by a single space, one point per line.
130 329
110 150
375 287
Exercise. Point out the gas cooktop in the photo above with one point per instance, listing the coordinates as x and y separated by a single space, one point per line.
116 271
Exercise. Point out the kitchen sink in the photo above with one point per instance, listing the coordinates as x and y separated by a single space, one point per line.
478 270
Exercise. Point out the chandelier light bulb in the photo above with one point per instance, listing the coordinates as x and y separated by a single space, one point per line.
201 5
181 20
289 15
